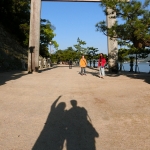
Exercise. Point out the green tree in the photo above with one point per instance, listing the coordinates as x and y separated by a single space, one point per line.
69 54
59 55
46 36
134 27
65 55
122 57
79 47
92 52
15 16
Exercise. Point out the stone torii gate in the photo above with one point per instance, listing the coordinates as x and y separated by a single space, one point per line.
34 38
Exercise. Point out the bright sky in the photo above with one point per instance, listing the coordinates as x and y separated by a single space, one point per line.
73 20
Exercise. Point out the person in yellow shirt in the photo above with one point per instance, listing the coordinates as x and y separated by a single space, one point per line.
83 65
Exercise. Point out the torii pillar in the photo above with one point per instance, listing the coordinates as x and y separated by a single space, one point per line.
34 37
112 44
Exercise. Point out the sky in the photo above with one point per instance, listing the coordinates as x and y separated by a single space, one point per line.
73 20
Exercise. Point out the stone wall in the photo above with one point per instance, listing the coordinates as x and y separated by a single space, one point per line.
12 55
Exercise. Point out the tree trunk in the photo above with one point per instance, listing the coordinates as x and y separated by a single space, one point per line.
136 65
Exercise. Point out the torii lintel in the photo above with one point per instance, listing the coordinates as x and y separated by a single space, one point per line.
72 0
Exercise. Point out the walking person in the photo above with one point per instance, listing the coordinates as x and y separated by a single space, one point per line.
101 65
83 65
70 64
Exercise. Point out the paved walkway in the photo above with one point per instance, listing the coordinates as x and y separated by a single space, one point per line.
118 107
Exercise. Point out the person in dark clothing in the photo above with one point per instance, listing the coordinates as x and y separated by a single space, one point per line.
70 64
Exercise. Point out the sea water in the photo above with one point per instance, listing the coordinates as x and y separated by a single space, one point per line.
142 66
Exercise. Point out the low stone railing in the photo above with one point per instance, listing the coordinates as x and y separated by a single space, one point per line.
44 63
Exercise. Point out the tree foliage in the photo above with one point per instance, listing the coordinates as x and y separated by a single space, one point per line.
64 55
92 53
15 16
134 29
46 36
79 47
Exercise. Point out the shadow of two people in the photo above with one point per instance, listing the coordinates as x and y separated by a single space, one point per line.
73 125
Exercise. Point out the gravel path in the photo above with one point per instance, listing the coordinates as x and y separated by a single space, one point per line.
118 108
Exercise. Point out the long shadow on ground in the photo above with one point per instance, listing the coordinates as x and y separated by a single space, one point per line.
71 127
12 75
141 76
